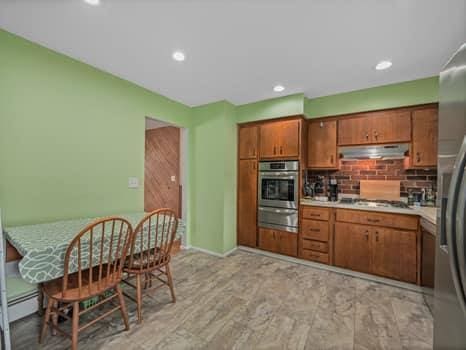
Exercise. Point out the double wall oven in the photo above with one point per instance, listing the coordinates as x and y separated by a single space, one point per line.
278 195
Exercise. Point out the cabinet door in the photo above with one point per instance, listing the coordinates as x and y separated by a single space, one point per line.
269 140
352 247
428 259
355 131
248 139
289 138
247 203
322 145
390 126
394 254
269 240
425 131
288 243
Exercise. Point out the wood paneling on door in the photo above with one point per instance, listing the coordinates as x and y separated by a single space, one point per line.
248 141
394 254
269 140
428 259
322 145
353 247
247 202
268 240
390 126
354 131
425 134
289 138
162 161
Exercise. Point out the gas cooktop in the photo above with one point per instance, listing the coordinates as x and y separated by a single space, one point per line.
374 203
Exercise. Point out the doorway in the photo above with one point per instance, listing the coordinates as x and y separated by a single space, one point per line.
163 166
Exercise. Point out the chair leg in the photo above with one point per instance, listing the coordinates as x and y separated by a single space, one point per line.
170 282
55 317
139 297
75 326
45 324
124 313
40 300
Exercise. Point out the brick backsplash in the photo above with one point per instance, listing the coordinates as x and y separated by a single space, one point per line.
352 171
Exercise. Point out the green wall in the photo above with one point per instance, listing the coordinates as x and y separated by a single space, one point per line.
271 108
70 135
213 146
388 96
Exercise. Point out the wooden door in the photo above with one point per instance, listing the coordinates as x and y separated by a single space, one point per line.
354 131
288 131
269 140
162 169
248 139
425 134
269 240
353 247
390 126
394 254
322 145
247 202
288 243
428 259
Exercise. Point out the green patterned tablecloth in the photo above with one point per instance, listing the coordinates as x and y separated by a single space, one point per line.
43 246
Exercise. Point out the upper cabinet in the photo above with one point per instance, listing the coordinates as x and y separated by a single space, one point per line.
374 128
425 133
322 145
248 140
280 139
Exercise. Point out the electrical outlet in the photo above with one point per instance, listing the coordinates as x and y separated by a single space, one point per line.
133 182
173 178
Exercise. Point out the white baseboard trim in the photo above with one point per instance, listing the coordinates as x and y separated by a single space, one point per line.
365 276
224 255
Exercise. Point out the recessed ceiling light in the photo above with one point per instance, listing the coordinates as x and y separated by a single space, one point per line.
383 65
178 56
93 2
278 88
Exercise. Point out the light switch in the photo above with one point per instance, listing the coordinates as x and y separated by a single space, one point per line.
133 182
173 178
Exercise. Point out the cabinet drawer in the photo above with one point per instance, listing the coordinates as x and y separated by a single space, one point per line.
316 213
315 245
315 256
407 222
313 229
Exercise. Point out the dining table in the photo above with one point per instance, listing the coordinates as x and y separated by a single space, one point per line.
43 246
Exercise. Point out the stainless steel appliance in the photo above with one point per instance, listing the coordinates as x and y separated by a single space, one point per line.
450 264
278 195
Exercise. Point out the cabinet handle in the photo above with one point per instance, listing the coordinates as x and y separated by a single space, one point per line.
367 136
376 135
376 236
315 215
331 159
281 150
274 150
373 220
418 157
366 235
314 230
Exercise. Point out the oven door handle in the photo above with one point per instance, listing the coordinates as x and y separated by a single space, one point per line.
278 175
278 211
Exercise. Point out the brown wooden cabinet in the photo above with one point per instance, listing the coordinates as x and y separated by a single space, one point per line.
322 145
428 259
280 139
363 243
375 128
277 241
353 247
247 203
425 134
394 254
248 142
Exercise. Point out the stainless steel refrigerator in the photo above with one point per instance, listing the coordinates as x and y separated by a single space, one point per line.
450 264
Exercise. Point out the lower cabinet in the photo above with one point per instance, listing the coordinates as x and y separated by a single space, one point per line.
278 241
353 247
381 251
428 259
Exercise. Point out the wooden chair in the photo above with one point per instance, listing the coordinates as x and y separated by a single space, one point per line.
93 265
149 255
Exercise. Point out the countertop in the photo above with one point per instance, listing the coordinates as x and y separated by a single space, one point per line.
427 213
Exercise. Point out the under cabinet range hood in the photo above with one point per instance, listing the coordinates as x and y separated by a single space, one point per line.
393 151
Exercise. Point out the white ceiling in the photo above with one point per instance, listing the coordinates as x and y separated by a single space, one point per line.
239 49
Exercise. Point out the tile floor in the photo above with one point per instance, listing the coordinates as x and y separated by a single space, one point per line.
249 301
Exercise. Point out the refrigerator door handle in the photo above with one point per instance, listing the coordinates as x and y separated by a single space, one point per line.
451 229
460 239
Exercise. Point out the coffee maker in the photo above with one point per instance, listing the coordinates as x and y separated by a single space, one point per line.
332 190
